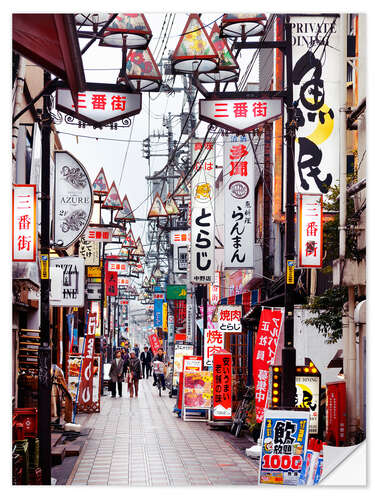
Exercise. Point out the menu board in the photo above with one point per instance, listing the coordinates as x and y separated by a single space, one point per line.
197 390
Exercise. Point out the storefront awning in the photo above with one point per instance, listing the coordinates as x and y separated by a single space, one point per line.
50 41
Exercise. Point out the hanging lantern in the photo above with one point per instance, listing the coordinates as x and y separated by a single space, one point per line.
92 19
195 50
142 70
132 26
126 213
113 200
100 184
242 25
228 69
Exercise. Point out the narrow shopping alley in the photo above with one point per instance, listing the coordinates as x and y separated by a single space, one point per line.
141 442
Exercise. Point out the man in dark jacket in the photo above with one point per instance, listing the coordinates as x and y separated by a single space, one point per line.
146 358
159 360
116 374
135 374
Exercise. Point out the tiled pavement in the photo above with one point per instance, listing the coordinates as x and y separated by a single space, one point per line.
140 442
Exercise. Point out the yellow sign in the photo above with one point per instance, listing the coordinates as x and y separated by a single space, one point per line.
44 267
94 272
165 316
290 266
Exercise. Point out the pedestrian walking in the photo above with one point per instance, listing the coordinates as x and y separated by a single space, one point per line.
116 374
160 367
146 358
134 374
136 349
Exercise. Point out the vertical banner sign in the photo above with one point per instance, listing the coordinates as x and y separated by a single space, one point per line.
180 240
336 413
264 354
89 250
170 329
158 310
24 223
154 343
165 316
214 290
310 230
222 386
316 76
229 319
87 369
203 213
111 283
213 342
308 392
239 230
284 442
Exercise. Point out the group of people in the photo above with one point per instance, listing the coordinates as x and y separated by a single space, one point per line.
129 368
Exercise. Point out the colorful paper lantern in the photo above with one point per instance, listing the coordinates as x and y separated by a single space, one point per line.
142 70
242 25
132 26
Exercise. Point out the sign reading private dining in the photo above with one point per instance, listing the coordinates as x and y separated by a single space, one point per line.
24 223
100 104
73 200
239 115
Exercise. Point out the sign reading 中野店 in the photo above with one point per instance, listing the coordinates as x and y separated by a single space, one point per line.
239 115
73 282
100 104
229 318
73 200
203 213
310 230
238 203
24 223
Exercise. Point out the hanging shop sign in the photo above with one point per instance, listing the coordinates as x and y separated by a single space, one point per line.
316 89
336 413
73 283
308 391
89 251
180 351
24 240
100 184
94 272
203 214
290 267
213 342
284 443
239 230
154 343
94 291
126 213
270 324
214 290
310 230
157 208
165 317
87 368
100 104
99 235
189 318
192 363
171 206
229 318
158 310
111 283
139 251
73 200
170 329
118 267
129 241
180 240
95 309
239 115
176 292
222 386
122 281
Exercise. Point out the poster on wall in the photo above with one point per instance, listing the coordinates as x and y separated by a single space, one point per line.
239 211
197 390
203 213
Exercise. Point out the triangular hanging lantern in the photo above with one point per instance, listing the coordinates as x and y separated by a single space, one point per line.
113 200
145 283
195 50
228 69
100 184
133 27
139 250
182 188
142 69
139 268
129 241
242 25
119 231
157 208
124 252
126 212
170 206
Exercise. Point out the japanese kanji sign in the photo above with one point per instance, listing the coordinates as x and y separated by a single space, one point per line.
181 243
222 386
203 213
118 267
99 234
89 250
111 283
24 223
229 318
284 442
239 212
310 230
213 342
73 200
214 290
264 354
87 367
158 310
239 115
154 343
308 389
99 104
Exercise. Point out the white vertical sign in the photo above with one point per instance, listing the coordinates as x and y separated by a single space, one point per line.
310 230
203 213
316 77
238 203
214 341
214 290
24 223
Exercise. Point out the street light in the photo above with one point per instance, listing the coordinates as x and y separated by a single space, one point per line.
242 25
142 69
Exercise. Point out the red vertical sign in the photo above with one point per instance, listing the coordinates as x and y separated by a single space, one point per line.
87 369
264 354
111 283
336 412
154 343
222 385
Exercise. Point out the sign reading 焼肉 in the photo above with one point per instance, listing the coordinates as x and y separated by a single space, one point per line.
229 318
310 230
24 223
214 341
284 442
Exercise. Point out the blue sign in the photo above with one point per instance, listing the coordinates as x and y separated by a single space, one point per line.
284 442
158 313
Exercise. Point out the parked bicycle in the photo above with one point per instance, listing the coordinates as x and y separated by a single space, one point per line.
242 411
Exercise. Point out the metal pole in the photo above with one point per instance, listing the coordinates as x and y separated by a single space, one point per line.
288 388
44 350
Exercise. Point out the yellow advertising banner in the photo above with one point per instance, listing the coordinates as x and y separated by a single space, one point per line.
94 272
165 316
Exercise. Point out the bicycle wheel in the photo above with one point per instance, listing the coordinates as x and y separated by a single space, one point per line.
233 427
159 386
238 430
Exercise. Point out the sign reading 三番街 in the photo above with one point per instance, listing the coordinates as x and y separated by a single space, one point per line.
203 213
180 240
73 282
214 290
238 203
310 230
239 115
73 200
316 55
24 223
99 104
